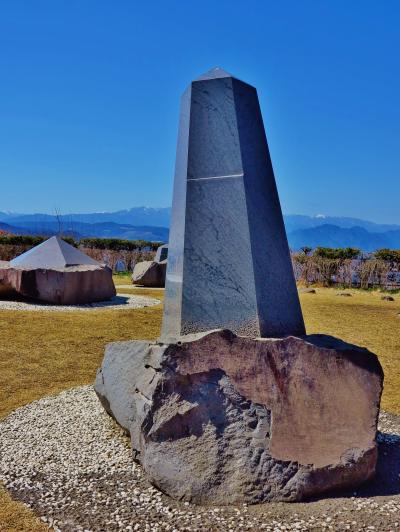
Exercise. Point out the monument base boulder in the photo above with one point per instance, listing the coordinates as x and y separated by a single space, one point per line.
218 418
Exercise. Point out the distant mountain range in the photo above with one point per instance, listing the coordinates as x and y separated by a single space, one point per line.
139 223
14 230
329 231
336 237
152 224
294 222
137 216
80 230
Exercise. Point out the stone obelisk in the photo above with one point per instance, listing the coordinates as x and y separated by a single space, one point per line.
222 418
229 263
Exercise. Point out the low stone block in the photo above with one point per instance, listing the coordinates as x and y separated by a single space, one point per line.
72 285
219 418
150 273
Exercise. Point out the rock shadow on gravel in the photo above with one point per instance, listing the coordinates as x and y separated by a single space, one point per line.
387 478
385 482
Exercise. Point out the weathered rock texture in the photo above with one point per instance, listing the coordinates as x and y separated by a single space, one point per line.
150 273
218 418
228 257
72 285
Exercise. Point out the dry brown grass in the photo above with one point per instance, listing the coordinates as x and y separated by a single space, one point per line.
363 319
122 278
43 353
146 292
15 517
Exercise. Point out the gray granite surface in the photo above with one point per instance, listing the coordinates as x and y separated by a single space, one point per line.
228 263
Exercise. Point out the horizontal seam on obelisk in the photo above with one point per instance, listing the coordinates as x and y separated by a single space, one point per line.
213 177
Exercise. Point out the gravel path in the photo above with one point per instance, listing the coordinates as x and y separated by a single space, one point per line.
66 459
120 301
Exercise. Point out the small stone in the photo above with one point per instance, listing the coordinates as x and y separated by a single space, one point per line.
150 274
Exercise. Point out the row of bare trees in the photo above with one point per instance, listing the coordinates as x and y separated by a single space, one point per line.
126 258
360 272
324 266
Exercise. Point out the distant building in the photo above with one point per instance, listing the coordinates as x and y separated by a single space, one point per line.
162 253
120 266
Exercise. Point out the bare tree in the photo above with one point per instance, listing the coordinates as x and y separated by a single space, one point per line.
57 214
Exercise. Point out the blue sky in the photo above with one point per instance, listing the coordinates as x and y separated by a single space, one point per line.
89 99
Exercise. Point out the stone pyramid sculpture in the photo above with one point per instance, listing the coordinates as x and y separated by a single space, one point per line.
228 261
56 272
53 253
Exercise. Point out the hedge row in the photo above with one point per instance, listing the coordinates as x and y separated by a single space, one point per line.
113 244
30 240
116 244
337 253
390 255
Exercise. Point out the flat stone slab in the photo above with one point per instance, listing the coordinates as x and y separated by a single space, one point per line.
218 418
67 459
307 291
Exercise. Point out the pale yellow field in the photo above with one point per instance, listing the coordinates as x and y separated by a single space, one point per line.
363 319
43 353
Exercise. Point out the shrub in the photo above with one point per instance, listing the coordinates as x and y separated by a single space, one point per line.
116 244
390 255
337 253
30 240
21 240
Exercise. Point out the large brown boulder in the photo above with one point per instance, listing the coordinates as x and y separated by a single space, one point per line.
218 418
71 285
56 272
6 290
150 273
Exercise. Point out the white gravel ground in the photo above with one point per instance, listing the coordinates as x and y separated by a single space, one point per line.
66 459
120 301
